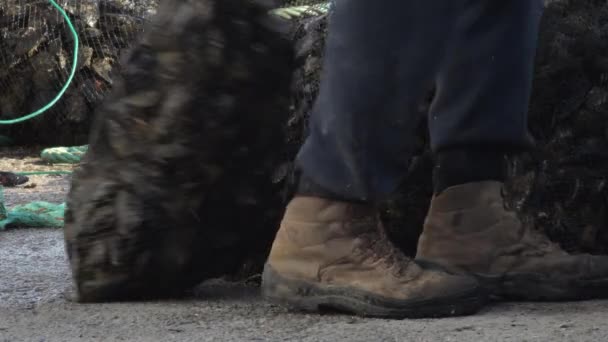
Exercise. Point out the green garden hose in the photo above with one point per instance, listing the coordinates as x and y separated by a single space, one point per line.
67 83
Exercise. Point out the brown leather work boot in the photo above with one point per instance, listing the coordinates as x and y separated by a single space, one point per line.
334 255
469 230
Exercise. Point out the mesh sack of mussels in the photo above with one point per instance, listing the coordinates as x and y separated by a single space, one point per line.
36 54
175 187
561 186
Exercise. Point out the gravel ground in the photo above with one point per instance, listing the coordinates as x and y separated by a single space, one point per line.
51 188
35 286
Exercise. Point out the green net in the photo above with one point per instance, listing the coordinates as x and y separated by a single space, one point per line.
64 155
37 214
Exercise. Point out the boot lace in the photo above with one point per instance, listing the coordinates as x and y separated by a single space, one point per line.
375 246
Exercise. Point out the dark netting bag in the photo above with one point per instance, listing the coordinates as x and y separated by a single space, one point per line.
562 187
36 52
176 185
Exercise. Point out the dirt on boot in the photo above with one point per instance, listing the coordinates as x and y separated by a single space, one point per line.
335 255
470 230
176 182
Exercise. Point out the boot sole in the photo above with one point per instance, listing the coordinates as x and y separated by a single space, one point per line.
536 287
532 286
310 297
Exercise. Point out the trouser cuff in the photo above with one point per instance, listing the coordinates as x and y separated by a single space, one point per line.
457 166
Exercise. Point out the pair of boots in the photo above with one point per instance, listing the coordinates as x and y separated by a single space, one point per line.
336 255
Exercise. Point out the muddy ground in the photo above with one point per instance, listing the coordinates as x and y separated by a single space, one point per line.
35 306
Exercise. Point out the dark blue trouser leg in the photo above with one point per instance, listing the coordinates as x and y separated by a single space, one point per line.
378 54
381 57
483 87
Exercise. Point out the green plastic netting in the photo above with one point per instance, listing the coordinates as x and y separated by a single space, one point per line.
63 155
37 214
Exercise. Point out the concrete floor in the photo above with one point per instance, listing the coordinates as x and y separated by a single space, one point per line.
34 280
33 307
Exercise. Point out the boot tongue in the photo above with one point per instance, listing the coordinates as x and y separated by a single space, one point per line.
468 195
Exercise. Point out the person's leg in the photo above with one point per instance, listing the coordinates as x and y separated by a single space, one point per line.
480 109
330 250
380 58
478 115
